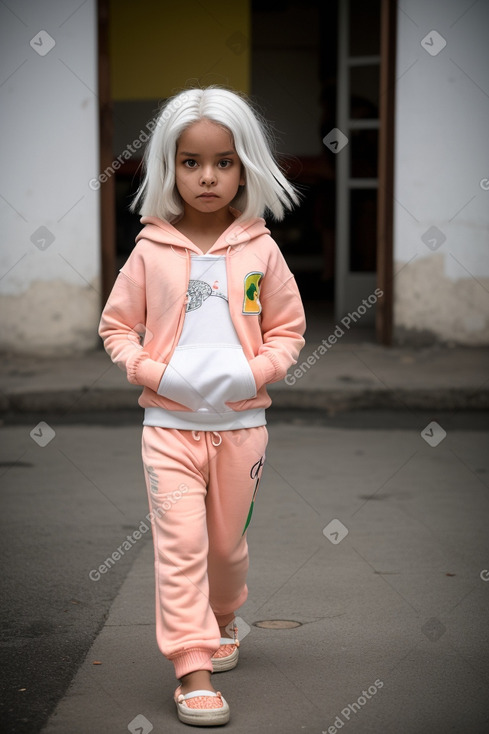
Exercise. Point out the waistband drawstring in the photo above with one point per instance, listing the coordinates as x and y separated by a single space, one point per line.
214 434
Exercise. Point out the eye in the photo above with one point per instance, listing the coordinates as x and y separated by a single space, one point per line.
225 163
190 162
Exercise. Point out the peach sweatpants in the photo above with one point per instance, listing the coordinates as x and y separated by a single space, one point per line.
201 485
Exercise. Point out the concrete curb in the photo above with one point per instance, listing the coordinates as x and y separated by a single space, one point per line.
354 377
329 400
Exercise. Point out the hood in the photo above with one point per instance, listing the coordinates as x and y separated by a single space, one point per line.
164 233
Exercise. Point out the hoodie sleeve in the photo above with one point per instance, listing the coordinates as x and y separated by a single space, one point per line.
122 326
283 322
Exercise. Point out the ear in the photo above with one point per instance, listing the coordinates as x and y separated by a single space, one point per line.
242 180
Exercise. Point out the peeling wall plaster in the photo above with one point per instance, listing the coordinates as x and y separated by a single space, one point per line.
51 317
429 305
50 247
441 212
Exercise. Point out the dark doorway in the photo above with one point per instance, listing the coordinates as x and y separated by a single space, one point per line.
332 242
294 58
316 68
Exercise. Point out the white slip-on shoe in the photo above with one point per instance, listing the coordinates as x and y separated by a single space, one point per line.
202 708
226 657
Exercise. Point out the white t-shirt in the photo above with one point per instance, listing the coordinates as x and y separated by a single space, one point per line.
208 368
207 314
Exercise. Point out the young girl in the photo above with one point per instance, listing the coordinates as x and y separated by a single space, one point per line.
203 315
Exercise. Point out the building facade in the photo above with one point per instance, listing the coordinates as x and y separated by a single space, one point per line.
51 266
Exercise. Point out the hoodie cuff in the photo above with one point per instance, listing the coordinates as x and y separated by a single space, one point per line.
147 372
263 370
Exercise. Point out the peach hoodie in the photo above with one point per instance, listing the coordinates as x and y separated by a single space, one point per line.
143 318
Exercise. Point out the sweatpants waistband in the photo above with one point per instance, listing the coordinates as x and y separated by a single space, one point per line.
186 420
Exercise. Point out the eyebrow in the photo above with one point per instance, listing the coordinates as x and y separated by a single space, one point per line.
218 155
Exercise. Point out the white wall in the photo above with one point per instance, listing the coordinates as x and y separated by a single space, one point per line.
49 293
441 158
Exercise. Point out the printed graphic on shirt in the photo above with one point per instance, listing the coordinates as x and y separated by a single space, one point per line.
254 474
199 291
251 302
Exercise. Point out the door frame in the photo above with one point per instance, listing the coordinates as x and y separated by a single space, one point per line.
385 201
351 287
106 133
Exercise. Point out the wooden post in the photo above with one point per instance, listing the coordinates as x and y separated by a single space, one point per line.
107 189
385 202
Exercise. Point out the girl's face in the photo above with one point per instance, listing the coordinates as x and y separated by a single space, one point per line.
208 171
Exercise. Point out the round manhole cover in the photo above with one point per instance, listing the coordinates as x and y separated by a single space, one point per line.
278 624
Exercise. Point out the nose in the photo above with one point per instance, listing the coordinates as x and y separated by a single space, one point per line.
208 176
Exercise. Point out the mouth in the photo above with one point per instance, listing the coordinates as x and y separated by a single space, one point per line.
208 196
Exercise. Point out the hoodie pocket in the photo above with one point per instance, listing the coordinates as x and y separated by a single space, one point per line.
205 378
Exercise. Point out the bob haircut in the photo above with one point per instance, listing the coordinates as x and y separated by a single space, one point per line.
266 186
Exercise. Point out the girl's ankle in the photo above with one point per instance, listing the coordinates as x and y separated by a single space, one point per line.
197 680
228 630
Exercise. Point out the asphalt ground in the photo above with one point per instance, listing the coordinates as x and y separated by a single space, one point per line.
376 606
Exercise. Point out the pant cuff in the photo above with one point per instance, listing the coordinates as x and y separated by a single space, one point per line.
188 661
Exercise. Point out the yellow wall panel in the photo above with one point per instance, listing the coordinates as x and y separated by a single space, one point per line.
158 48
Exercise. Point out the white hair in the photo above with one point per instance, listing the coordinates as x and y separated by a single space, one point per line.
266 187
